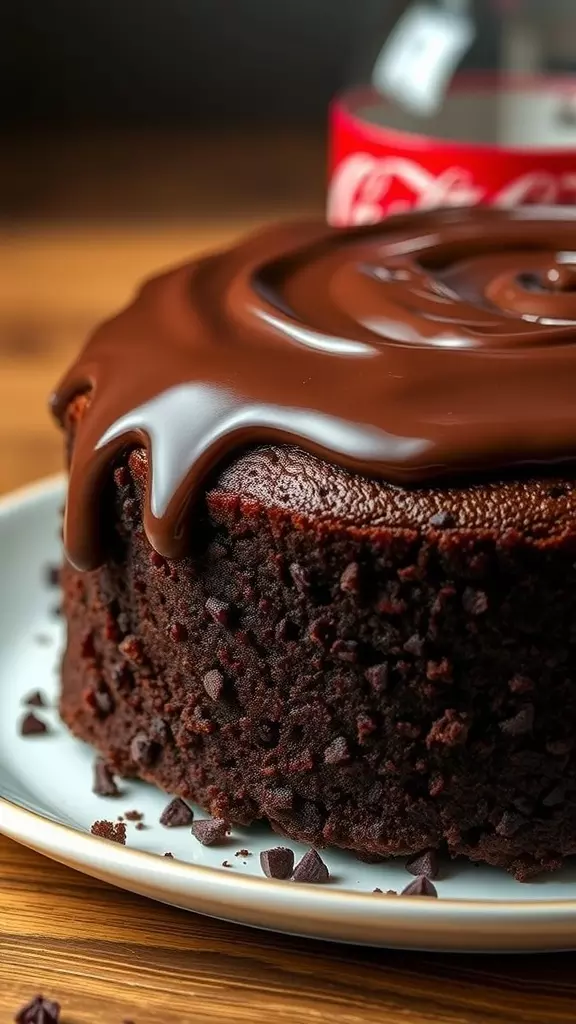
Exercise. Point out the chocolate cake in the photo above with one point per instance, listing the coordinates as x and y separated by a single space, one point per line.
321 536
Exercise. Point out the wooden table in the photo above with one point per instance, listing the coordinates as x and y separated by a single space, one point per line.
81 224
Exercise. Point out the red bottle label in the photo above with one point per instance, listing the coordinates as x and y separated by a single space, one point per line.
376 171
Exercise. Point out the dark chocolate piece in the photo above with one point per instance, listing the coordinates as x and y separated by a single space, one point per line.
104 783
277 862
39 1011
425 863
210 831
311 869
421 886
31 725
176 814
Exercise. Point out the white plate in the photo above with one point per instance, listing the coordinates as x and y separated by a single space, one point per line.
46 803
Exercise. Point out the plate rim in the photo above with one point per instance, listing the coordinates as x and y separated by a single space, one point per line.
314 911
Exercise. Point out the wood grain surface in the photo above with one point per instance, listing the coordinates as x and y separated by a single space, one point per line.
81 222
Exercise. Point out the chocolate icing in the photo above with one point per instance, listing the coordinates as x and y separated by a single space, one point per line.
429 346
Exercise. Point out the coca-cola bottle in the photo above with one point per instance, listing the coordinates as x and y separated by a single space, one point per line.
460 102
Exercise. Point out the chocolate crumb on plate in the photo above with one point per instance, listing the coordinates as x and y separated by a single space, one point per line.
242 853
31 725
170 855
35 699
176 814
39 1011
226 864
425 863
140 826
277 862
389 892
133 815
115 831
311 869
210 831
52 575
103 780
421 886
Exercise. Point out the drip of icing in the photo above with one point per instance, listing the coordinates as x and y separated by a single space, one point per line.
431 345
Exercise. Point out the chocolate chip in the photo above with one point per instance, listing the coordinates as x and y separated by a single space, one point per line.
133 815
521 724
345 650
350 579
178 632
337 752
415 645
35 700
377 676
115 831
143 750
218 610
213 683
39 1011
475 602
33 726
176 814
103 784
311 869
301 578
421 886
424 864
209 831
442 520
277 862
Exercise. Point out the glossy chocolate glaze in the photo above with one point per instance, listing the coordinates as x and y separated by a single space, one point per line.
434 345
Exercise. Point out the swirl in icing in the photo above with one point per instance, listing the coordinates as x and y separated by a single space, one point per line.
433 345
